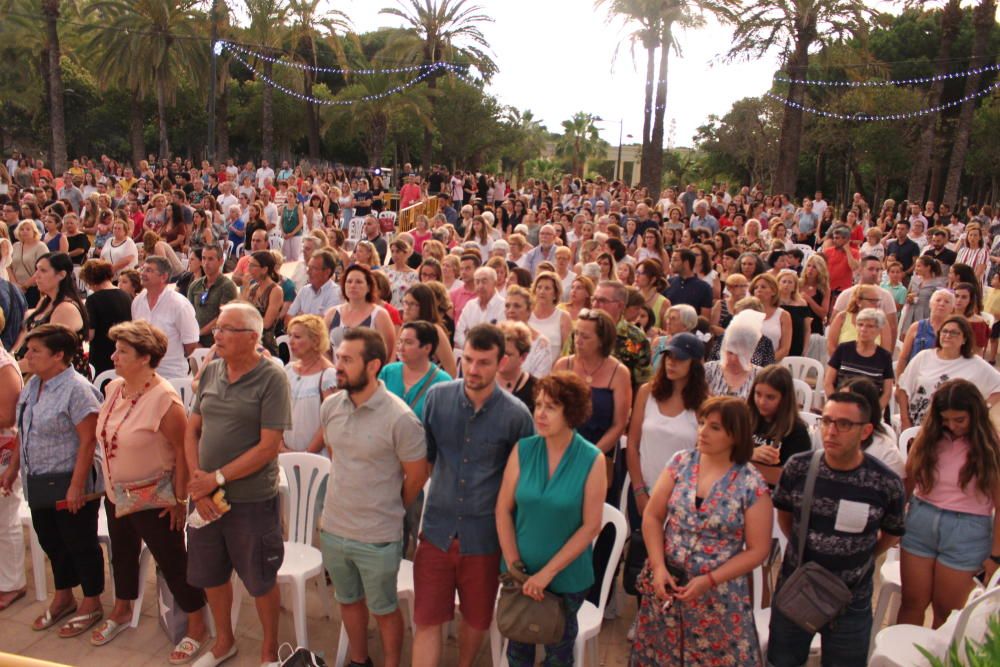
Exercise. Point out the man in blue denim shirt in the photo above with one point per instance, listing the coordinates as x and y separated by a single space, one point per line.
471 426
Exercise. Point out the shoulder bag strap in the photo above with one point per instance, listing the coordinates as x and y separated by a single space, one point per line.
426 385
807 501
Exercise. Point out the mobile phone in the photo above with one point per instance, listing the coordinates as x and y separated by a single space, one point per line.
678 573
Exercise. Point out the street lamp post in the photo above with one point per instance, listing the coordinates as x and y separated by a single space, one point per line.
618 163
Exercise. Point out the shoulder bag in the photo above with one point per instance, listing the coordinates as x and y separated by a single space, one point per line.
524 619
812 596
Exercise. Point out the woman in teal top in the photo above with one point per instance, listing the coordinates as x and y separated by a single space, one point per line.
550 507
292 216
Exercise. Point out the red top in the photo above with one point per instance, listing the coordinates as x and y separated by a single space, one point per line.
841 275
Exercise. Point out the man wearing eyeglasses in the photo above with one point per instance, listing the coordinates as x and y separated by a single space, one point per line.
631 345
209 293
856 515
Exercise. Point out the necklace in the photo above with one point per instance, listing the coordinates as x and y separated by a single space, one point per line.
511 385
589 374
111 445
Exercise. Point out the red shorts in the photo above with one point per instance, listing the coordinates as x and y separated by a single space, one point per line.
438 574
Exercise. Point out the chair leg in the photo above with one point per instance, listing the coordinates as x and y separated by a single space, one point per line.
298 589
578 653
145 560
496 645
343 644
37 565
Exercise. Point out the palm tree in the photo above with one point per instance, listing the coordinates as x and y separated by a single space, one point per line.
314 25
656 24
794 27
440 30
984 18
951 21
580 141
266 30
136 38
528 141
57 115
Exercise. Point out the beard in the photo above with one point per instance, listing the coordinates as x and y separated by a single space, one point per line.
352 385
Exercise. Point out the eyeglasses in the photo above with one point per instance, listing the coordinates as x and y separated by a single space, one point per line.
842 425
604 299
228 330
950 332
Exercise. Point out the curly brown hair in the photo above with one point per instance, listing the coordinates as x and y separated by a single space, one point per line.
569 391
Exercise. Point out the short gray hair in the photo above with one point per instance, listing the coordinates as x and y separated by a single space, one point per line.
249 315
161 264
871 315
687 313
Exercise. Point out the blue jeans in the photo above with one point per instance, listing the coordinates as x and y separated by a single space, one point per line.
844 639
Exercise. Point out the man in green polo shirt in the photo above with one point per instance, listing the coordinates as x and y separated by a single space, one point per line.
210 293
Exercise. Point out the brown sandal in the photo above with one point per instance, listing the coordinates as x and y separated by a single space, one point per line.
48 619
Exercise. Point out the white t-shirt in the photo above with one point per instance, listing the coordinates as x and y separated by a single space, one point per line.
112 253
473 314
304 392
174 315
886 303
885 449
927 371
662 437
263 174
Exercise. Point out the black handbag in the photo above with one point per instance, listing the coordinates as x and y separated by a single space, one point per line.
47 489
300 657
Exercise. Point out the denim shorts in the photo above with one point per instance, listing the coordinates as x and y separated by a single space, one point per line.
362 571
959 540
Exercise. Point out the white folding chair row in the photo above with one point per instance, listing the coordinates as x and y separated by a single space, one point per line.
803 395
185 389
104 378
197 358
896 646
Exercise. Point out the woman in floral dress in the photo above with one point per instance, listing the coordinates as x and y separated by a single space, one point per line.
707 525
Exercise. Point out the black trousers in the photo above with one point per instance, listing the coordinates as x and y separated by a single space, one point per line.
70 542
167 546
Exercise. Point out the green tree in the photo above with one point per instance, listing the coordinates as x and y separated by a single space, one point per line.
376 107
951 21
984 20
266 30
795 28
527 140
580 142
743 143
312 25
143 37
440 30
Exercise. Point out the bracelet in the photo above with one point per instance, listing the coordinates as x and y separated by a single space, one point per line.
711 579
640 489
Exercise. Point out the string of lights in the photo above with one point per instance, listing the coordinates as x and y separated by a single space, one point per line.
868 117
222 45
452 69
891 82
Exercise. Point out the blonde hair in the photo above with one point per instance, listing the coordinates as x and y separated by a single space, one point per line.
517 333
29 224
315 330
795 282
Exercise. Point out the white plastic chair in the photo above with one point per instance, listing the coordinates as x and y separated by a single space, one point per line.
227 250
906 439
812 422
589 617
197 358
803 395
802 368
186 391
285 340
104 378
306 474
896 646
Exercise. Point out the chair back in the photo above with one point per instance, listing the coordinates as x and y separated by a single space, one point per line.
616 518
104 378
284 348
197 359
812 422
906 439
307 474
803 395
972 621
802 368
185 390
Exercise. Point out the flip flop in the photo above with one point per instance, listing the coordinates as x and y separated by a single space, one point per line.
17 596
107 631
48 620
79 624
209 659
189 648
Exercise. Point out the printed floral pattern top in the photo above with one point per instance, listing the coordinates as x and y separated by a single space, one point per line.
717 628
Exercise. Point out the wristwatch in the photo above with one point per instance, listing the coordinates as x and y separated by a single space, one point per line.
220 479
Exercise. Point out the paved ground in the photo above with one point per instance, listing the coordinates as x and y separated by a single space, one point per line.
147 644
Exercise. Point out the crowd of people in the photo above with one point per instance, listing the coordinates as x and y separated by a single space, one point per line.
483 384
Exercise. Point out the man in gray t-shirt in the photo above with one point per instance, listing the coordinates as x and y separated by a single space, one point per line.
240 412
379 453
